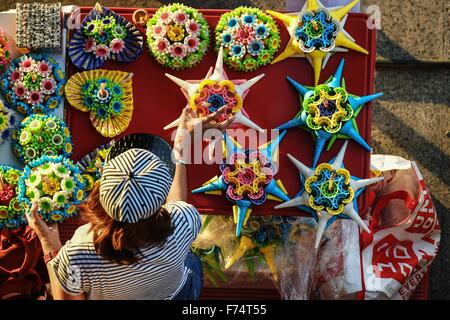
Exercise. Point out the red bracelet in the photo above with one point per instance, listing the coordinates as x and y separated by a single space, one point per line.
50 255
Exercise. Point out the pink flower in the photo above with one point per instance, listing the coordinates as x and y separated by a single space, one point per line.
16 75
162 45
191 43
27 65
35 97
117 45
89 45
159 31
180 17
192 27
20 90
48 86
102 52
178 50
44 69
166 17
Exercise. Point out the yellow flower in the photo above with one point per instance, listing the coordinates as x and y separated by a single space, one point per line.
56 217
176 33
68 148
71 209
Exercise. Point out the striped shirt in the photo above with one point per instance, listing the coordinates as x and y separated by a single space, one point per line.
159 275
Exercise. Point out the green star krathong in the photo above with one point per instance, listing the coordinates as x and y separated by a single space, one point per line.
328 111
329 193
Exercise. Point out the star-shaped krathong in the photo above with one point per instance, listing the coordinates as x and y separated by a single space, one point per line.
328 111
316 33
247 178
329 193
216 91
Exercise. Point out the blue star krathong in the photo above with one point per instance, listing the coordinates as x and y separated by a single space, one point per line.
329 193
328 111
247 180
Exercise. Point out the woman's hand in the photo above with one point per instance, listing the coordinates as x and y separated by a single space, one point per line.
48 235
190 121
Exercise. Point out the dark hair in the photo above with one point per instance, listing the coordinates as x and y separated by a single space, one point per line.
120 241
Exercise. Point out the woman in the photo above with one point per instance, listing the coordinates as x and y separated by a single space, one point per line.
133 246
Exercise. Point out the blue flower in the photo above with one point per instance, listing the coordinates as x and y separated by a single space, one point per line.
102 112
232 23
227 39
255 47
249 19
88 101
116 107
261 32
117 89
237 51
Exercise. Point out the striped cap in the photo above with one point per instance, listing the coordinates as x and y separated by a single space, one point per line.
134 185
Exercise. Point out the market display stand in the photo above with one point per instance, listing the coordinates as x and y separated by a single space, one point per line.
271 102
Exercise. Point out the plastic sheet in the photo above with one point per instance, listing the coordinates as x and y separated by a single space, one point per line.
297 261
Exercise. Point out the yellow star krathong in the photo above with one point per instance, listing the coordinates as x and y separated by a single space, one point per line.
312 31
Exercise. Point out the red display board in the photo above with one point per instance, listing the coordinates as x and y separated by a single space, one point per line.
271 102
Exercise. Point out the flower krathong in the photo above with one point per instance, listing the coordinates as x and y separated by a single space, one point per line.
327 108
249 36
329 193
329 189
247 178
316 33
104 35
106 95
329 112
316 30
33 84
5 51
8 121
11 209
40 135
216 91
178 36
212 95
55 184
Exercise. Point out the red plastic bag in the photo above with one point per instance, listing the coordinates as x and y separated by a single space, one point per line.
391 261
22 270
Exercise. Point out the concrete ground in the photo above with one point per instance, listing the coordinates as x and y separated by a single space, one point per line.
412 118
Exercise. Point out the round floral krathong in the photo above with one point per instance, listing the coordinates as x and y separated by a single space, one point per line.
212 95
40 135
249 36
246 177
55 184
316 30
327 108
178 36
33 84
103 98
104 35
329 189
5 51
11 209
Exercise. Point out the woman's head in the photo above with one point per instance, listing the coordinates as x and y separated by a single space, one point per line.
120 241
125 209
